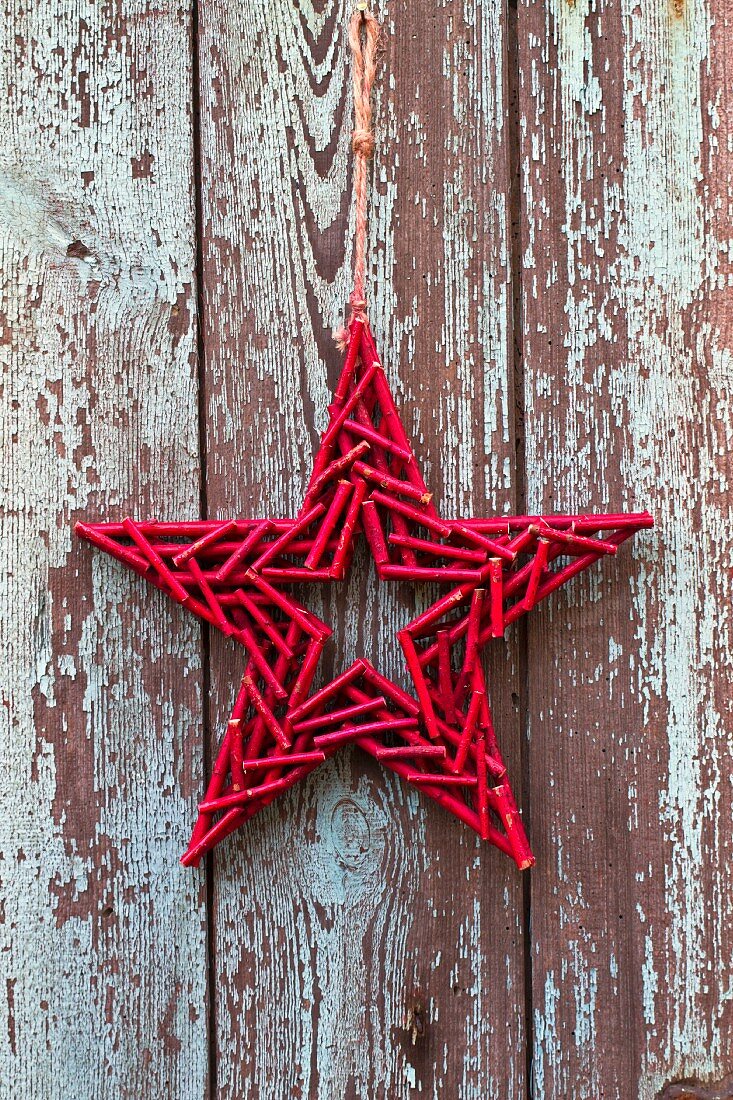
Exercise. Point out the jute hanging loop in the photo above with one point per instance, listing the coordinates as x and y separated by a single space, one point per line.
364 31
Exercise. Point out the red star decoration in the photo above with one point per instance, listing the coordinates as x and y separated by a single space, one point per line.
235 575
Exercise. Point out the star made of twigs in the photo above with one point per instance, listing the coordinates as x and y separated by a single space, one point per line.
236 575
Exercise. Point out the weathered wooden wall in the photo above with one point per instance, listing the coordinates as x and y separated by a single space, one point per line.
627 310
551 274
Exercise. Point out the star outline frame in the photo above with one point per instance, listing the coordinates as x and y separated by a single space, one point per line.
365 478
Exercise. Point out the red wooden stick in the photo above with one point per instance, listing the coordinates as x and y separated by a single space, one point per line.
587 522
445 677
265 713
264 621
241 702
392 484
601 522
257 533
524 539
334 470
513 584
399 522
426 573
473 621
291 574
404 508
329 521
344 545
556 580
292 609
635 520
328 692
352 353
238 798
577 542
126 554
488 727
335 716
452 735
337 422
390 418
212 836
538 568
496 581
363 431
323 453
262 664
469 729
302 744
216 783
304 520
442 780
280 573
305 676
483 788
421 687
315 757
440 608
353 733
392 691
495 764
204 542
234 730
472 634
443 797
216 610
130 528
374 533
504 805
496 549
438 549
407 752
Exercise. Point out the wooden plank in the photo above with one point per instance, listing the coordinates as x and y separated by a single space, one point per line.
626 169
364 943
103 935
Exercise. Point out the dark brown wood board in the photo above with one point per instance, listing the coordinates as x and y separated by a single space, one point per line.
550 289
626 200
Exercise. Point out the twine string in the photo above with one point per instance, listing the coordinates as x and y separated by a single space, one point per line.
363 38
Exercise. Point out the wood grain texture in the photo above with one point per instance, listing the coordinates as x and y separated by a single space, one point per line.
363 943
626 185
103 935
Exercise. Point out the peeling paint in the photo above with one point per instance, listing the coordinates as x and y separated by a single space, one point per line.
103 937
627 194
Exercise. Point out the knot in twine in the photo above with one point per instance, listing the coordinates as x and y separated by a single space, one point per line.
357 312
364 33
362 142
